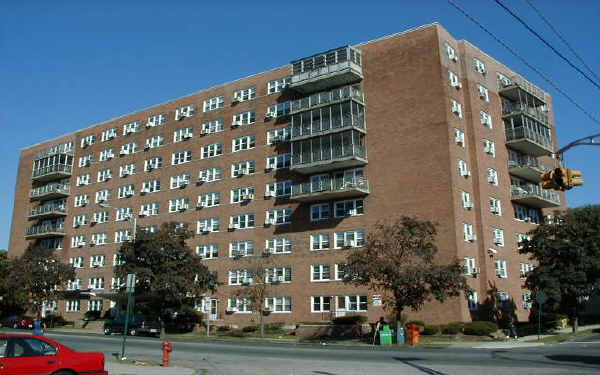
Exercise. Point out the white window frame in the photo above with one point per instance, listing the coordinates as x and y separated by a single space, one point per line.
244 95
451 52
281 161
243 221
84 179
277 85
95 305
350 239
127 170
483 93
500 267
131 127
453 80
212 150
152 163
179 204
72 305
99 239
100 217
278 275
456 108
96 282
156 120
486 119
124 214
498 237
279 216
320 273
103 195
97 261
279 189
495 206
465 198
128 148
324 304
81 200
241 248
152 186
208 225
243 168
123 235
185 111
322 240
183 134
479 66
211 127
349 207
489 147
208 251
244 118
88 140
468 233
244 143
239 305
212 199
492 176
86 161
473 301
243 194
109 134
155 141
320 211
279 110
181 157
279 135
104 175
279 305
459 137
108 154
76 262
150 209
214 103
279 245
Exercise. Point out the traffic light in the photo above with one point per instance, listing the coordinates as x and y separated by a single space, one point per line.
549 181
561 179
574 178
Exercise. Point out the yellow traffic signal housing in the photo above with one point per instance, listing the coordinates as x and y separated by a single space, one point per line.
548 181
561 179
574 178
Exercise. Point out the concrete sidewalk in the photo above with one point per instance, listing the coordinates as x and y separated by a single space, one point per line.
115 368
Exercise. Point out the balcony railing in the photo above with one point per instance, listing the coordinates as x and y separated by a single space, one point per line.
52 190
45 230
330 189
328 97
47 211
508 88
535 196
65 148
527 167
528 141
518 108
52 171
329 159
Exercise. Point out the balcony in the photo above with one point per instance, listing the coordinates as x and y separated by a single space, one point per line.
329 119
517 109
333 68
516 89
527 141
527 167
45 231
52 172
49 211
50 191
329 159
534 196
328 97
332 189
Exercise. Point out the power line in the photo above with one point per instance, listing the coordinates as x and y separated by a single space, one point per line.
549 24
547 44
517 55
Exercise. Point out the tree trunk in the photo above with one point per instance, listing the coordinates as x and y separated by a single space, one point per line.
575 323
262 324
163 333
399 325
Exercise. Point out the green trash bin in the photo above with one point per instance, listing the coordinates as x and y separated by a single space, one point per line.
385 336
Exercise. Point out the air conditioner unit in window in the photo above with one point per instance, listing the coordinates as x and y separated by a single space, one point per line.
269 115
465 173
247 281
468 205
495 210
497 241
143 213
475 271
280 279
204 230
352 212
95 264
146 147
235 100
92 243
231 310
523 275
204 132
200 205
81 244
183 184
454 58
187 136
491 179
458 85
235 124
269 221
527 219
76 225
87 163
482 95
182 209
247 197
492 251
269 194
499 273
267 252
232 227
471 237
123 152
144 191
93 222
350 243
129 193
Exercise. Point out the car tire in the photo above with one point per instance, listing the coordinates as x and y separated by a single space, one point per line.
107 331
132 332
63 373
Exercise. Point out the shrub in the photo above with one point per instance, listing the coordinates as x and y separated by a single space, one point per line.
274 326
92 315
223 328
250 329
480 328
453 328
431 330
52 320
349 320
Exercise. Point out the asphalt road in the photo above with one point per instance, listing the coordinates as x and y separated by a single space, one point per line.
217 357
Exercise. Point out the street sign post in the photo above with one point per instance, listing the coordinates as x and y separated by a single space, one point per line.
129 290
207 310
540 297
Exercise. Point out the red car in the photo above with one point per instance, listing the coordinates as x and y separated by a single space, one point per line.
29 355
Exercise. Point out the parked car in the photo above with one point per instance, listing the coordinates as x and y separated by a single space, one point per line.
17 321
29 355
138 325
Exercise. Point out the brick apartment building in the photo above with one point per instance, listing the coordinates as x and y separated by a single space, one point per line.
301 162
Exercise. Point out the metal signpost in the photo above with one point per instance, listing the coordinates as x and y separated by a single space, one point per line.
130 289
207 310
540 297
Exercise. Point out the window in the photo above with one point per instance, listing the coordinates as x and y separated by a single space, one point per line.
132 127
503 80
279 161
278 217
124 213
483 93
278 275
72 305
97 261
153 163
486 119
277 85
74 284
320 272
128 149
353 207
104 175
459 137
456 108
239 277
214 103
531 215
278 135
453 78
212 150
489 147
319 241
470 268
183 134
243 143
451 52
86 161
151 186
209 200
479 66
495 206
463 168
123 235
352 303
504 299
156 120
468 233
149 209
126 191
352 238
181 157
525 268
279 110
109 134
245 94
103 195
210 251
154 141
95 305
100 238
150 229
340 271
279 245
107 154
211 127
320 304
78 241
100 217
185 111
492 176
500 266
473 301
279 304
520 238
244 118
466 200
498 236
81 200
243 221
51 243
76 262
83 179
96 283
320 211
118 259
241 249
126 170
244 194
208 225
239 304
242 168
115 283
88 140
279 189
527 301
179 204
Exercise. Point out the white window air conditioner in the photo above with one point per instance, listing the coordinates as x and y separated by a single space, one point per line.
246 281
247 197
267 252
491 179
87 163
235 124
352 212
146 147
231 310
497 241
269 115
123 152
458 139
280 279
465 173
454 58
499 273
492 251
457 85
468 205
205 131
81 244
143 213
182 208
475 271
200 205
187 136
471 237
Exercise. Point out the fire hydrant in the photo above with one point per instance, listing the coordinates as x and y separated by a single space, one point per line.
414 335
166 350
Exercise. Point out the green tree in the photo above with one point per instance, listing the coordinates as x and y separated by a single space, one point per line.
567 252
38 274
398 259
169 275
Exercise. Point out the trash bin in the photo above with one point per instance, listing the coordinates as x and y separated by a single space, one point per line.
402 335
385 336
394 338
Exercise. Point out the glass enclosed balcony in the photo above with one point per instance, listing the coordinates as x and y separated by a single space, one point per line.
328 97
50 191
330 188
526 166
48 211
45 231
328 119
517 109
528 136
337 67
534 196
518 89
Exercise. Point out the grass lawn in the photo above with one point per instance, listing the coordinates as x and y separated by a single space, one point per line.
562 337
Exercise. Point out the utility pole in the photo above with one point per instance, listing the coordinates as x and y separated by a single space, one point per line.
130 290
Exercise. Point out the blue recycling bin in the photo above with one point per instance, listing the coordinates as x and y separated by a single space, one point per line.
402 335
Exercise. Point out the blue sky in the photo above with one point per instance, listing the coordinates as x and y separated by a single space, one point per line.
70 64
